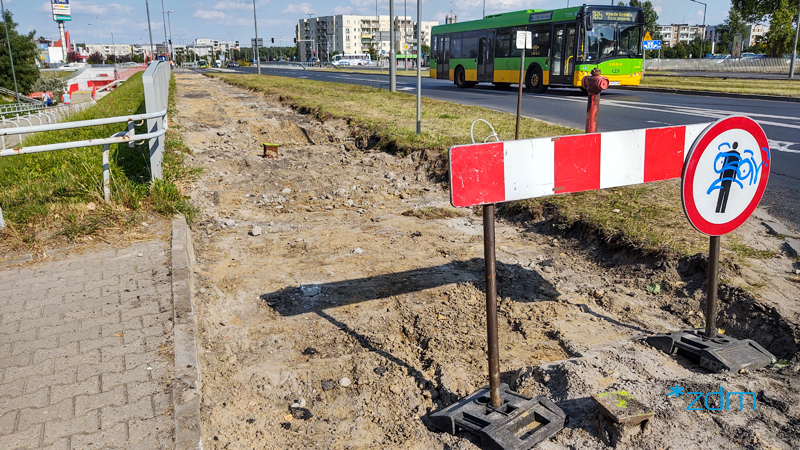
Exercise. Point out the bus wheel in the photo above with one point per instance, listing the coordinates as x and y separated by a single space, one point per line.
534 80
461 79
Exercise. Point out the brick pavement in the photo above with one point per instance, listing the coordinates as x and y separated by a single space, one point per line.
86 351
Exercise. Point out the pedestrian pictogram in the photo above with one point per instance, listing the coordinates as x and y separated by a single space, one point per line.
725 175
647 37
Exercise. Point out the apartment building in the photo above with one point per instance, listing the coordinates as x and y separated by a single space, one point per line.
682 32
108 49
322 36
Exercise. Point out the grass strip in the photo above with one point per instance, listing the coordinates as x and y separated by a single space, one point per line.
780 88
46 194
648 218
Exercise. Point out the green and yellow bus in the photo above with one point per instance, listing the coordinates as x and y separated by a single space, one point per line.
567 44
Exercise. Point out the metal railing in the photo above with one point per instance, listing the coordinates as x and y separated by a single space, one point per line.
20 108
44 116
749 65
156 95
22 98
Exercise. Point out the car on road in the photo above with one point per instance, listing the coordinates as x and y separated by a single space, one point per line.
341 63
233 64
215 64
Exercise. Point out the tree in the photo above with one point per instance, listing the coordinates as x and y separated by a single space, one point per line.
780 37
50 82
731 27
73 57
25 54
426 50
699 47
650 16
373 53
95 58
759 10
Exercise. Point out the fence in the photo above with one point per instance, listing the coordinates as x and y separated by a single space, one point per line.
50 115
752 65
20 108
156 95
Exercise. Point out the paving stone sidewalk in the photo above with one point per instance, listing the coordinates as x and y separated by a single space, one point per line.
86 351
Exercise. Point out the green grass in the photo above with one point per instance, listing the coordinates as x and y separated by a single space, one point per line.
50 190
781 88
649 218
745 251
431 213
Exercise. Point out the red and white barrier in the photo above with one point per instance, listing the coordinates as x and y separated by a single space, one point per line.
498 172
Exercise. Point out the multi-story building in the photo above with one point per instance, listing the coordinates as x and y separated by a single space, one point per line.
108 49
322 36
682 32
752 32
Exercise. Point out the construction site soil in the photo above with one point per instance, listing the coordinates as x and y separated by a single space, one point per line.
340 301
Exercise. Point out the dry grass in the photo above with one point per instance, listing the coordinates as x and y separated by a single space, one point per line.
432 212
781 88
401 72
650 217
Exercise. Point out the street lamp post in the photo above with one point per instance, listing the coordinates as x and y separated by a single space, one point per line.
255 22
794 47
149 29
230 49
169 23
114 47
164 19
8 40
703 39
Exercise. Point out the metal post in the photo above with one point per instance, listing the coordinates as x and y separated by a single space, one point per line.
150 30
711 293
106 174
521 81
419 67
10 55
392 55
255 22
794 47
169 23
64 48
164 18
491 305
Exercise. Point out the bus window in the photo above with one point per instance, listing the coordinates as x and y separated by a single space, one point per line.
629 41
446 47
455 45
469 46
541 42
600 42
503 43
434 51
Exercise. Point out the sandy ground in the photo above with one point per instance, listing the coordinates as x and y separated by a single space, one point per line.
315 290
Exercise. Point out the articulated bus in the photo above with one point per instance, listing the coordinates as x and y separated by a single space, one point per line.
567 44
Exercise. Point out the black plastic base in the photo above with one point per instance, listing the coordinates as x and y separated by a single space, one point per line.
518 423
720 354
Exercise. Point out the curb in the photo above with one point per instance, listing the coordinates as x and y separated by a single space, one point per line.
186 384
774 98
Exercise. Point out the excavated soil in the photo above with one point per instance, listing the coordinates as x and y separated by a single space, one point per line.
334 313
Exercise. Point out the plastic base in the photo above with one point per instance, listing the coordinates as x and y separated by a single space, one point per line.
720 354
519 423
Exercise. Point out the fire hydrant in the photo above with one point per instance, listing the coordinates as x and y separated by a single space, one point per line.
594 84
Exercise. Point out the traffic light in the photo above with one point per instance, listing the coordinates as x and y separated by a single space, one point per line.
295 40
273 40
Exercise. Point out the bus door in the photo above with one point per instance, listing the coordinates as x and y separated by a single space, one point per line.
486 55
443 63
562 66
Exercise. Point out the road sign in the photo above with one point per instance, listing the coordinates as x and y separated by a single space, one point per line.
253 42
725 175
652 45
406 46
497 172
647 37
524 39
62 18
383 52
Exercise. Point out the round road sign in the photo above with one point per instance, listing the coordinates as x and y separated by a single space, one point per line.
725 175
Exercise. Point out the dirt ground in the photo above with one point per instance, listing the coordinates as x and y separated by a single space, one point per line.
320 284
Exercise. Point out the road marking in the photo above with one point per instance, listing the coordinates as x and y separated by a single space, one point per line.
783 146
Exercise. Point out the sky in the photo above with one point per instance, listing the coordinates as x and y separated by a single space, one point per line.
95 21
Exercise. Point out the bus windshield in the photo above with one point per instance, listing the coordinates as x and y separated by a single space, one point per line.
609 40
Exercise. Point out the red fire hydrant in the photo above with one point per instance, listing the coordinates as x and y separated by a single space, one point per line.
595 84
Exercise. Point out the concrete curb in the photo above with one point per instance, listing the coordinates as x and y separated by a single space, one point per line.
186 384
712 94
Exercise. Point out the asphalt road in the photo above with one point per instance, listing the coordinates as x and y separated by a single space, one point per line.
622 110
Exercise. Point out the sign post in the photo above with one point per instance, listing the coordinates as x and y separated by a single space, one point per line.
648 44
723 180
524 41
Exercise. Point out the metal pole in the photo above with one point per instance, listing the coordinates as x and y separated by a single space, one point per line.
10 55
169 23
419 67
164 18
794 47
392 55
255 23
491 305
64 47
711 293
114 47
150 30
521 81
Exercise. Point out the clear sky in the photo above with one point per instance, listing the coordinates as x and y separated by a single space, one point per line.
127 19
